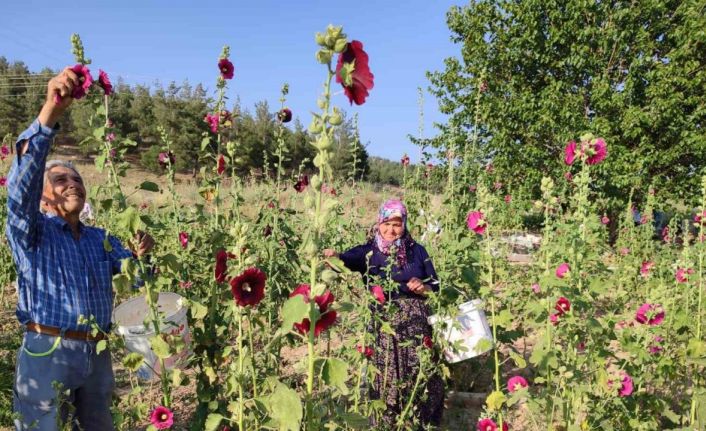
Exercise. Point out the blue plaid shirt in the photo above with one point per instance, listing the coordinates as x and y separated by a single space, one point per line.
59 278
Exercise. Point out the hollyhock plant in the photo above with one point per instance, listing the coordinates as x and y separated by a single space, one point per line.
221 269
646 267
570 153
476 223
353 73
284 115
104 82
563 270
650 314
367 351
226 67
213 121
597 150
487 424
84 78
516 383
166 159
378 294
183 239
682 275
326 318
562 305
626 385
162 418
249 287
554 318
221 164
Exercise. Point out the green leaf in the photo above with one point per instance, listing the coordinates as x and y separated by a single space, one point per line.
132 361
285 408
355 420
129 220
160 347
98 133
100 346
495 400
149 186
294 311
213 421
198 310
337 265
519 360
204 143
335 373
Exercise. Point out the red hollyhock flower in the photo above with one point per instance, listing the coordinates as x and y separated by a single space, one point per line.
212 121
367 352
300 186
162 418
221 270
226 67
487 425
378 294
165 159
184 239
3 181
104 82
327 317
249 287
562 305
405 160
284 115
221 165
427 341
85 80
361 78
267 231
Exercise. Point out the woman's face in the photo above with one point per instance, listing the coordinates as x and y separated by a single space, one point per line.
391 229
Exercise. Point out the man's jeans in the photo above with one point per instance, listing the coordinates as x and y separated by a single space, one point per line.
58 380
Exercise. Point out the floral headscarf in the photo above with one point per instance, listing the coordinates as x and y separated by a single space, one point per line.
393 208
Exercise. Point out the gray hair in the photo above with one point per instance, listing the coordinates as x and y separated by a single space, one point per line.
51 164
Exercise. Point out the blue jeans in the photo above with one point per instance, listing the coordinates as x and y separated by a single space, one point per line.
59 380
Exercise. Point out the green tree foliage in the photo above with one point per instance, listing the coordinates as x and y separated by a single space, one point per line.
548 71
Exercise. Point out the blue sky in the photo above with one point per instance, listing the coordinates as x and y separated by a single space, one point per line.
271 43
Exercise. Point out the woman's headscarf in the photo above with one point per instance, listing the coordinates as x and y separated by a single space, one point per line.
391 209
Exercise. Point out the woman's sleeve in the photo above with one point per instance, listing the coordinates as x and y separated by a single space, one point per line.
356 259
429 269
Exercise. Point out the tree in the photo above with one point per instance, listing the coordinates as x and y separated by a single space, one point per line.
546 71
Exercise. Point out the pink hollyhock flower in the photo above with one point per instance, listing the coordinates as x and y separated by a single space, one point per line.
4 151
476 223
624 251
378 293
650 314
536 288
498 185
85 80
248 288
646 267
655 347
104 82
166 159
221 164
110 137
563 270
226 67
361 79
562 305
472 189
162 418
682 275
486 424
700 217
605 220
598 150
3 181
367 351
665 234
213 121
626 386
508 199
570 152
427 342
183 239
554 318
326 317
405 160
516 383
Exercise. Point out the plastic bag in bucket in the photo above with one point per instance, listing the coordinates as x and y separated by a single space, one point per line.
464 332
130 317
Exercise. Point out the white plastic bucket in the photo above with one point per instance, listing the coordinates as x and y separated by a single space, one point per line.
464 330
130 317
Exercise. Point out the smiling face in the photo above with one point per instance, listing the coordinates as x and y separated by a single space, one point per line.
391 229
64 193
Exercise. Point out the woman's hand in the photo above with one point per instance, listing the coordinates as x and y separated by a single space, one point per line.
329 252
417 286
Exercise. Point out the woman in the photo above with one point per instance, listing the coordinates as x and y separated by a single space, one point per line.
413 275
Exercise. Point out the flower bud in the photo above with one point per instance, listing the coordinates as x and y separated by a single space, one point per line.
340 45
317 160
315 182
328 276
320 39
321 103
315 126
309 201
323 142
323 56
336 119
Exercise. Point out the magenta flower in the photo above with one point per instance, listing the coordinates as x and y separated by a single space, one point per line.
378 294
405 160
4 151
646 267
597 151
682 275
570 152
104 82
563 270
85 80
110 137
162 418
166 159
213 121
605 220
508 199
226 68
498 185
516 383
3 181
554 318
626 386
361 79
476 223
655 347
650 314
536 288
486 424
665 234
183 239
700 217
562 305
367 351
185 284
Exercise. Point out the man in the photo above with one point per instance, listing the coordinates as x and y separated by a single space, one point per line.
63 272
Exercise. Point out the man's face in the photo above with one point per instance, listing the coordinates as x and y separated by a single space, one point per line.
64 193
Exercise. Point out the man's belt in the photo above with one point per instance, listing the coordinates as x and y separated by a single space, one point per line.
72 335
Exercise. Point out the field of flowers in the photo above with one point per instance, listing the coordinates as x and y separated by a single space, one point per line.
602 330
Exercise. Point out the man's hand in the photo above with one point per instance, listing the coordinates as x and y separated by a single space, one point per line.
62 85
417 286
143 243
